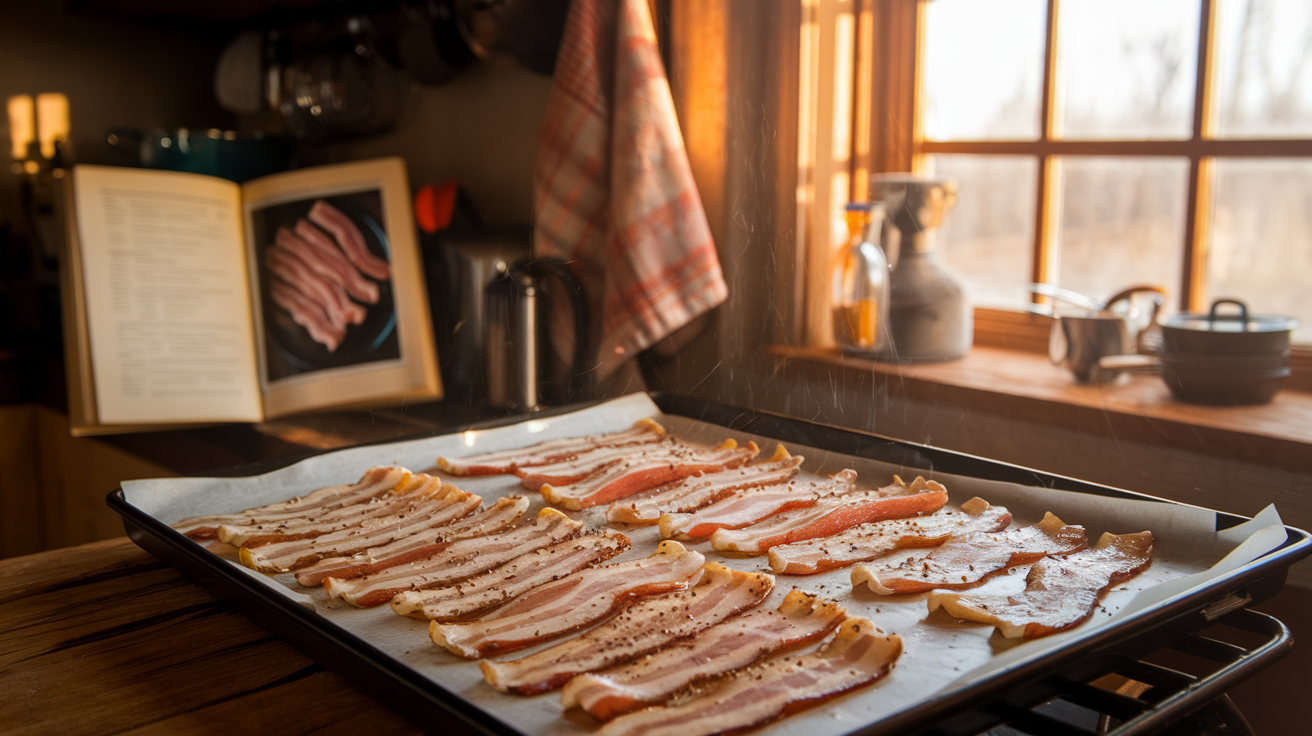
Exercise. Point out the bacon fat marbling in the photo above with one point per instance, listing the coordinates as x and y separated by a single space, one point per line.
868 541
645 626
423 509
501 515
1060 592
967 560
455 561
570 604
859 655
832 515
520 575
376 481
802 618
694 492
644 431
656 465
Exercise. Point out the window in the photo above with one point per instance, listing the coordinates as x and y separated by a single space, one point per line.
1103 143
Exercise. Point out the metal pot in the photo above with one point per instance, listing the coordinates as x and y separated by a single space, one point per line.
1226 359
1219 359
1216 334
1082 342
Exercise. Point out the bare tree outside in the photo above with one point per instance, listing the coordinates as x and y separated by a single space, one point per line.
1261 239
1126 73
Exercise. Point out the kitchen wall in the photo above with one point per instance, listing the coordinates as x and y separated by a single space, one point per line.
481 129
114 73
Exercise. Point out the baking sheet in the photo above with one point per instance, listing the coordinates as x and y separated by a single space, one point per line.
940 653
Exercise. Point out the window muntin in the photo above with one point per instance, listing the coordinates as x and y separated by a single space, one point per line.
1202 152
988 237
1121 222
1261 244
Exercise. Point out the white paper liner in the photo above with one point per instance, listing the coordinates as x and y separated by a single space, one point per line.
940 652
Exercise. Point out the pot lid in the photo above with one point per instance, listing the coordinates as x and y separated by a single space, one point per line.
1229 321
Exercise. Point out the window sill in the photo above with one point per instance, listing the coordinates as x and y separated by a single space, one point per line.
1025 386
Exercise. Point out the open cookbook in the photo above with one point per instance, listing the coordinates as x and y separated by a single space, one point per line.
593 572
191 299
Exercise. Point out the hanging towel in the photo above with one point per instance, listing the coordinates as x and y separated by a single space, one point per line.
613 190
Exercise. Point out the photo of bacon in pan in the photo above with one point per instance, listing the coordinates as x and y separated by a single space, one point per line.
326 282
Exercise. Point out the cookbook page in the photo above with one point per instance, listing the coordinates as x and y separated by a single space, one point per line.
341 313
167 313
940 653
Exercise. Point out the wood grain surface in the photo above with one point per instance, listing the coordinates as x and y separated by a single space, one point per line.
1027 387
105 639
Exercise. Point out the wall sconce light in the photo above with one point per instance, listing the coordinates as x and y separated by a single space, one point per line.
22 125
51 122
38 130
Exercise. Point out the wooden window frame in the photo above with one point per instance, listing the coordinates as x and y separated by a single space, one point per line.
905 19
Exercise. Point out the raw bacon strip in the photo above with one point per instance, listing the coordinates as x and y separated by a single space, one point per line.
330 520
1060 592
868 541
497 517
624 478
751 505
330 255
455 561
830 516
645 626
350 311
859 655
306 313
965 561
570 604
329 296
445 505
697 491
350 239
520 575
553 451
584 464
801 619
376 481
337 271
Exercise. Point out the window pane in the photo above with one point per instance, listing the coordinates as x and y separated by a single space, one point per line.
1264 67
1128 68
988 238
1261 248
1122 223
983 69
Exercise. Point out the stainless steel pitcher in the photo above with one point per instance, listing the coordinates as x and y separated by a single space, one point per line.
523 310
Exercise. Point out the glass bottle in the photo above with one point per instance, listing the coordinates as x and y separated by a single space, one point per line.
860 284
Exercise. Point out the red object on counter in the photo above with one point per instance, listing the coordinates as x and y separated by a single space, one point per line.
435 205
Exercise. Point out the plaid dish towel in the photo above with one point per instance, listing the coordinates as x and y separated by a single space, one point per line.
613 191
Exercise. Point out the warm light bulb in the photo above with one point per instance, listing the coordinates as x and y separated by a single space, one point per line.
22 125
51 121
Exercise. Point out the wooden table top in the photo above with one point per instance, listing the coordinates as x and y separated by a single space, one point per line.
106 639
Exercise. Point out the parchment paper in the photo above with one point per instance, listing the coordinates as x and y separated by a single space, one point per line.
940 652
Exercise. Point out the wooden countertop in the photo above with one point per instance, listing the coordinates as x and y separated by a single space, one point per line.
106 639
1026 386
